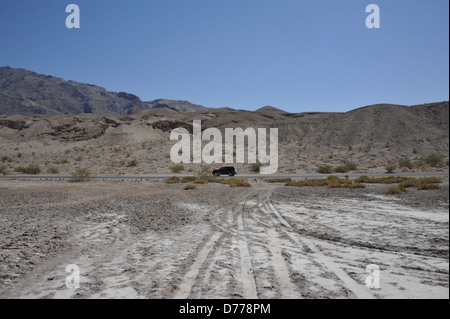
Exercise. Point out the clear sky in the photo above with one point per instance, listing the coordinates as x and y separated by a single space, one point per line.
315 55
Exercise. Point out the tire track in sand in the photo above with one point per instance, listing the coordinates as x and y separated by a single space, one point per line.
185 287
360 291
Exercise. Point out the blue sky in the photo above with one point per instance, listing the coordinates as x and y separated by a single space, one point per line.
314 55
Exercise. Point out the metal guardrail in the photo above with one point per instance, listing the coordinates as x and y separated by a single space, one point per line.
255 176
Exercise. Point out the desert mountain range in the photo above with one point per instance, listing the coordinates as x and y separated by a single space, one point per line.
49 120
26 92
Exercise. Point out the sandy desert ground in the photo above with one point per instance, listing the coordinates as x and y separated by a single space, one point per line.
152 240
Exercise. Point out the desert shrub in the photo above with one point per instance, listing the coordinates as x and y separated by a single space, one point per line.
409 183
431 180
188 179
53 170
256 167
201 181
236 182
388 180
79 158
205 173
348 185
330 182
405 163
420 163
428 183
19 155
6 159
395 190
341 169
3 170
390 169
177 168
173 180
423 186
81 175
190 187
433 160
351 166
363 179
279 180
325 169
132 163
355 185
29 170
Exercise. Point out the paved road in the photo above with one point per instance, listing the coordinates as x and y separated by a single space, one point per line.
252 176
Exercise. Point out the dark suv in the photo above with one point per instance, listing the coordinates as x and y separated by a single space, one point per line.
230 171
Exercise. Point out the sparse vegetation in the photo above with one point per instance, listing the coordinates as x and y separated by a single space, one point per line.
420 164
256 167
381 180
346 167
205 173
29 170
173 180
177 169
429 183
6 159
3 170
81 175
190 187
19 155
428 186
53 170
330 182
341 169
352 166
405 163
426 183
188 179
434 160
132 163
236 182
279 180
395 190
201 181
390 169
325 169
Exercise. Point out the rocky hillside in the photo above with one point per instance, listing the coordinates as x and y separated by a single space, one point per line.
26 92
372 136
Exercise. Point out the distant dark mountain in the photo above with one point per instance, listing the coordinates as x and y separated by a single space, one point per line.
28 93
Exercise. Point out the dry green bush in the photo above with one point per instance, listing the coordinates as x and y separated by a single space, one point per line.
395 190
190 187
173 180
236 182
81 175
177 169
188 179
29 170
